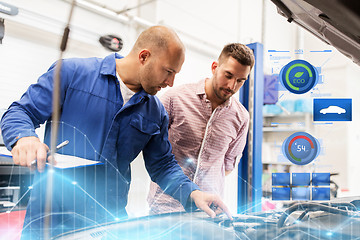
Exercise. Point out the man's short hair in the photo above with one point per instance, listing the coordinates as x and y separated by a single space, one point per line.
243 54
152 37
158 38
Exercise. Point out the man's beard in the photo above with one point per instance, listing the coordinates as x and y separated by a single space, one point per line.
218 92
146 79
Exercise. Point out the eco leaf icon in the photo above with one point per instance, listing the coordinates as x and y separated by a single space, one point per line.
299 74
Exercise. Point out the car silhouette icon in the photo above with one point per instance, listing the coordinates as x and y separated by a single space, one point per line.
333 109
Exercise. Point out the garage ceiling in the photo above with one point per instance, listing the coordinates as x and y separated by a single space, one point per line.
119 5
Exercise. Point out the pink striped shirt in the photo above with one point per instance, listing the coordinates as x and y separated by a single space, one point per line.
205 142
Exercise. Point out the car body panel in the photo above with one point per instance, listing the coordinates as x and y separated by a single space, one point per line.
336 22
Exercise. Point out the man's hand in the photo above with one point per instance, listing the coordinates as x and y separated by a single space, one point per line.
28 149
204 200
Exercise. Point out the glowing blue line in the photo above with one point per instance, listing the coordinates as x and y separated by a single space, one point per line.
345 222
308 234
19 200
276 123
165 231
247 209
64 213
277 51
25 194
95 200
303 209
71 182
11 173
93 148
74 213
101 156
326 61
322 51
247 183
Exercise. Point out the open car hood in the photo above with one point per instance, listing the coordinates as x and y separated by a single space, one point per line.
334 219
336 22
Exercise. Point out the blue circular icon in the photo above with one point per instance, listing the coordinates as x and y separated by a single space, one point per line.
298 76
301 148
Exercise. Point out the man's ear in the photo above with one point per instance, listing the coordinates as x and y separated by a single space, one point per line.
214 65
144 56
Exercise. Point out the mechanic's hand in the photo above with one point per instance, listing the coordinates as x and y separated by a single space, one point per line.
27 149
204 200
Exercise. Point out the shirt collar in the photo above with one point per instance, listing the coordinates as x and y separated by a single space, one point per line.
200 91
200 87
108 66
144 94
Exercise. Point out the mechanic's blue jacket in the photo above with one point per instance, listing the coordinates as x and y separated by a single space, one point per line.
98 127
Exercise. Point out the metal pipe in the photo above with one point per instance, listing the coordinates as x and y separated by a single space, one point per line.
55 126
250 139
201 46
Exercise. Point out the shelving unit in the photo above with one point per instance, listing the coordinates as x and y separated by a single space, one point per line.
276 129
287 122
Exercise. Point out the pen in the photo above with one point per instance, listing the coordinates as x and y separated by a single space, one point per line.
58 147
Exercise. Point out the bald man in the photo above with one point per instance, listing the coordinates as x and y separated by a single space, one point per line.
109 114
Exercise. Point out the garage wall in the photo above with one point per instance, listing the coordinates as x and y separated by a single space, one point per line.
32 38
340 140
32 41
353 131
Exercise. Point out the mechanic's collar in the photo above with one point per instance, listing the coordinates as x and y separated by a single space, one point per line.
109 68
144 94
109 65
200 90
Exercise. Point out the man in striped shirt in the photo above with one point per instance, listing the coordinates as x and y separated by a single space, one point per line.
207 126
